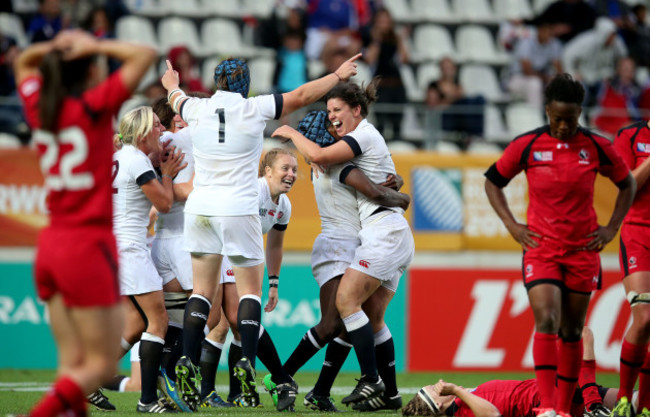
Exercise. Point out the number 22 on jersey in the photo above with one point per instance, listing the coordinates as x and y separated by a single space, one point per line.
68 162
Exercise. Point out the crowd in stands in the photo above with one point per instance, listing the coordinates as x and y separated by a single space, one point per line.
605 44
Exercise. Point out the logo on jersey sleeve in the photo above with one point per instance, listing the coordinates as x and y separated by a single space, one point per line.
543 156
584 157
280 215
643 147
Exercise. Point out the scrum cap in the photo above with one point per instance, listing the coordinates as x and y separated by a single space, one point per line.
237 83
314 127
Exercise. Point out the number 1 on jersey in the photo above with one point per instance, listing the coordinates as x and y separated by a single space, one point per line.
222 124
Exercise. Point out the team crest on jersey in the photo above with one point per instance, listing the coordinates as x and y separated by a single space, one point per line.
632 262
529 271
271 213
584 157
280 215
543 156
643 147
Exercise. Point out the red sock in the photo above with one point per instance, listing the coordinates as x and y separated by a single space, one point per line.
632 357
644 385
568 370
545 358
63 396
587 383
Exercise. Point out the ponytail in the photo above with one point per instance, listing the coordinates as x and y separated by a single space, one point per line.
52 92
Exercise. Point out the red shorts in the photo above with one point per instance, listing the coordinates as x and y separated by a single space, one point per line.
634 253
575 270
81 264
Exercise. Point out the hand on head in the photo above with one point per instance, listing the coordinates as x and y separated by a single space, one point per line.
75 43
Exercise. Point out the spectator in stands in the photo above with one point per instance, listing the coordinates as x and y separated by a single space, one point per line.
618 99
183 61
291 62
74 13
570 17
11 115
591 57
617 10
637 37
99 24
333 25
273 30
385 51
458 112
536 59
47 23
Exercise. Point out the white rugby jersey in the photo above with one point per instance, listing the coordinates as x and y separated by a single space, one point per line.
227 134
271 214
171 224
337 205
131 169
373 158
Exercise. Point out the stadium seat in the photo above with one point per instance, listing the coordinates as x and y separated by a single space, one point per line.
152 75
483 148
11 25
137 29
185 8
540 5
175 31
9 141
427 73
223 8
481 79
400 146
475 43
149 8
512 9
223 37
207 71
522 118
364 74
435 11
432 42
262 71
25 6
494 126
478 11
413 92
446 148
315 68
400 10
258 8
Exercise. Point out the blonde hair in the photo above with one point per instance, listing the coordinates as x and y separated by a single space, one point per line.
269 158
417 407
136 124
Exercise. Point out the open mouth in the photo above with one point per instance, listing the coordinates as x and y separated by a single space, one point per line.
288 182
336 123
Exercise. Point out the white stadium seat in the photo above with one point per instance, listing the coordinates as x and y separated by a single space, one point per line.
151 8
432 42
435 11
478 11
207 71
427 72
185 8
522 118
315 68
479 147
413 92
137 29
223 8
25 6
475 43
540 5
364 75
258 8
11 25
512 9
400 10
223 37
480 79
400 146
494 126
262 71
175 31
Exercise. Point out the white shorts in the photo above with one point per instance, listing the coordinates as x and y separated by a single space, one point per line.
172 260
238 237
387 248
227 274
137 272
330 257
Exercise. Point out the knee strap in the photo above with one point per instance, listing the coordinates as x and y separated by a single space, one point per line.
635 298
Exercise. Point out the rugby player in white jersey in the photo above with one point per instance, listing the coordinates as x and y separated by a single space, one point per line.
222 212
136 187
387 246
333 252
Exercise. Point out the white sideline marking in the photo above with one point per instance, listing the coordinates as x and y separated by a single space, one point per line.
41 386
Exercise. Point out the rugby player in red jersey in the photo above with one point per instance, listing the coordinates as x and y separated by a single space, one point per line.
70 106
561 264
633 144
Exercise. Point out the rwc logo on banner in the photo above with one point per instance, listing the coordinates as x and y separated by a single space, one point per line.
472 319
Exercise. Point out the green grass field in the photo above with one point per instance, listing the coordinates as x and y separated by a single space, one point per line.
20 389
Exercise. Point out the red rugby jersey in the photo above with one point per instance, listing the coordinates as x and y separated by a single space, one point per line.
512 398
77 160
561 176
633 144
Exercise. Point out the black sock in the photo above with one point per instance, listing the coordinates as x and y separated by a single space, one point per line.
114 383
309 345
363 340
335 355
269 356
150 354
210 356
385 351
234 354
196 315
249 315
172 350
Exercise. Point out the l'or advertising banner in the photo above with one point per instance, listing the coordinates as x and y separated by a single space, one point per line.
480 319
449 209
